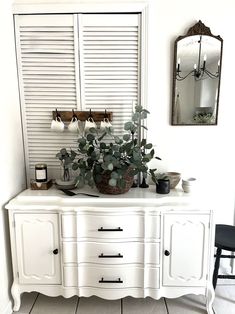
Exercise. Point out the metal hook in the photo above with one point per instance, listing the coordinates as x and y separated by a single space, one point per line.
105 114
74 114
90 115
57 113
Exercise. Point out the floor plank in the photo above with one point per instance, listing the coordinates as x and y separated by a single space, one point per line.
27 302
224 299
143 306
58 305
95 305
190 304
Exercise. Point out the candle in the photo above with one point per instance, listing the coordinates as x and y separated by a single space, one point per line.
178 65
40 172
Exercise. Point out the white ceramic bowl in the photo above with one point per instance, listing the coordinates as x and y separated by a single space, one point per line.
189 181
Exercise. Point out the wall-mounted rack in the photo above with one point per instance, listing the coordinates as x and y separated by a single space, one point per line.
83 115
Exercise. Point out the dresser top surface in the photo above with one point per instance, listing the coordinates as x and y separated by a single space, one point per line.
138 197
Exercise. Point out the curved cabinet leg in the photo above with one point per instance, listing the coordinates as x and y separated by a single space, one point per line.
210 296
15 292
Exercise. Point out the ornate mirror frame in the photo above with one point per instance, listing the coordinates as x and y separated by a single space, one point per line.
199 115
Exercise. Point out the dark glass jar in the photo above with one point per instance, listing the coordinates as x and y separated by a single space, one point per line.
41 173
163 186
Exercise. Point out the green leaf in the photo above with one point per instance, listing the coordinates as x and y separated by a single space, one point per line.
82 141
126 137
144 110
93 130
110 167
90 137
128 126
148 146
114 175
75 166
143 115
143 142
136 116
103 145
122 183
112 182
98 178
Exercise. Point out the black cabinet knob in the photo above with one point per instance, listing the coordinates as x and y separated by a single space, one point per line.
55 251
167 253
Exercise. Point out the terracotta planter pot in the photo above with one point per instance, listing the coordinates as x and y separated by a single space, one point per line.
104 187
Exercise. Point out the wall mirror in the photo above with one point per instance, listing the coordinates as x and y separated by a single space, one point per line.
196 77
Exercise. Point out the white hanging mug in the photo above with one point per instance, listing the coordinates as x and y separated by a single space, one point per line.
105 124
73 125
57 124
90 123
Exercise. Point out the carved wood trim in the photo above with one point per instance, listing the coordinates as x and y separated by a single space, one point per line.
199 29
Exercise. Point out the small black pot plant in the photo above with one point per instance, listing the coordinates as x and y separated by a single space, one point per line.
111 164
161 180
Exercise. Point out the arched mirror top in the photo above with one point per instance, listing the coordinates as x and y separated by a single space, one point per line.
196 77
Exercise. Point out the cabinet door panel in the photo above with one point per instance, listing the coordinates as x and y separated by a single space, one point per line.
37 237
186 240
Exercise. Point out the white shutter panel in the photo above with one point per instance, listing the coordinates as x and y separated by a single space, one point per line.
109 55
47 78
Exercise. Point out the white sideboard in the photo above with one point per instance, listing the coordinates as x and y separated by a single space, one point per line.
139 244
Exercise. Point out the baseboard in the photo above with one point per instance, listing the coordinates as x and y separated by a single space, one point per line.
8 309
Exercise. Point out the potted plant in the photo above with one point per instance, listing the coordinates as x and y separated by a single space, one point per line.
161 180
112 165
66 159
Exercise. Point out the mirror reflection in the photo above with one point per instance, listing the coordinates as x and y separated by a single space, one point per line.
196 77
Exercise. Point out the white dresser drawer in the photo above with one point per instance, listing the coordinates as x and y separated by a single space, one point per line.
111 253
110 227
111 277
102 226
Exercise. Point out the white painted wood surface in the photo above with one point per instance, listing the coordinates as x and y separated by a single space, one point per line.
75 61
146 230
37 237
186 240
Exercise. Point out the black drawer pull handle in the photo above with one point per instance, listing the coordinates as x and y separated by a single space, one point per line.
55 251
110 281
111 256
108 229
167 253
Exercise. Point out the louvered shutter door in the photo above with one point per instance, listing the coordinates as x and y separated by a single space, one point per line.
47 66
110 64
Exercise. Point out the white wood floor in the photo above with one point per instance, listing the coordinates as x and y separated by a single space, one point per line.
34 303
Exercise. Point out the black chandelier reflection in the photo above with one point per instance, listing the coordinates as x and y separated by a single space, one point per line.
198 71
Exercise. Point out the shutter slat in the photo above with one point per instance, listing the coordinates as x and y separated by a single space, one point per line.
47 60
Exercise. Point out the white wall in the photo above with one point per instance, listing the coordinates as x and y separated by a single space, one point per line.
202 151
11 155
